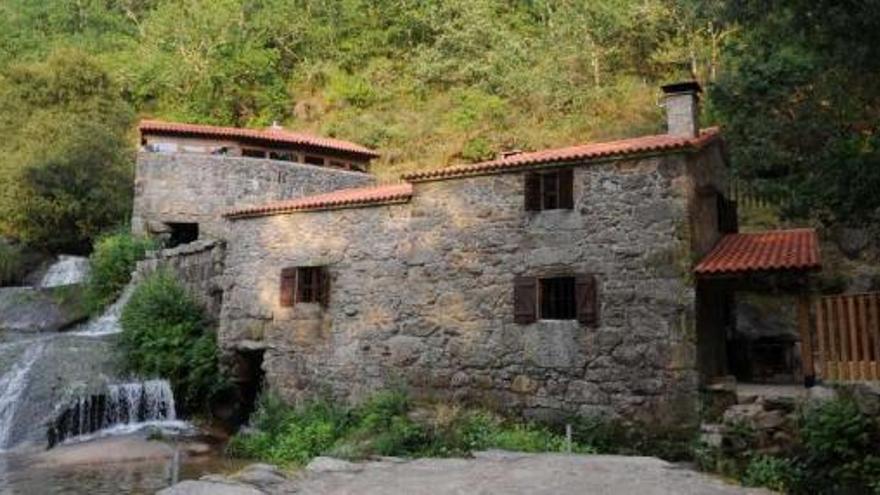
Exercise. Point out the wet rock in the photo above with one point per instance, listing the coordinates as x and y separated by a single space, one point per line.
26 309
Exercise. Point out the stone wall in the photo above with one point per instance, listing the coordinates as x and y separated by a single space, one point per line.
422 294
197 188
198 266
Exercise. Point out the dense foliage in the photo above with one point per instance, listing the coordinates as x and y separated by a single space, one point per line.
112 261
801 105
12 266
386 424
65 156
834 453
165 334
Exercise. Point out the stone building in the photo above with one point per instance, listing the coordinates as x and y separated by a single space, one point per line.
546 283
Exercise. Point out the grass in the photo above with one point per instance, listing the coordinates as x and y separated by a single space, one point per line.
387 424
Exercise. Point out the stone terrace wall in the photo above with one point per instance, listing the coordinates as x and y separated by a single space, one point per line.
423 293
198 266
181 187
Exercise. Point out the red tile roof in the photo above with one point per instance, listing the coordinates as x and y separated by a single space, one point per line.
343 198
639 145
796 249
272 134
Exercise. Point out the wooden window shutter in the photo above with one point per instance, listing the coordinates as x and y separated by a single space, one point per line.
324 286
586 293
525 304
532 191
566 189
288 287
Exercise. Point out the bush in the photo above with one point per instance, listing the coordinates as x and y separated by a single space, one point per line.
386 424
839 454
772 472
112 262
165 334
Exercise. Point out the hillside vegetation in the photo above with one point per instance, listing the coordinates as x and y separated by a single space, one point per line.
429 84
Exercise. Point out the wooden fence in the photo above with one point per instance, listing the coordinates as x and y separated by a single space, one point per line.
848 337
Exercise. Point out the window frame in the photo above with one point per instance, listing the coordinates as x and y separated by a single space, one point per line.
549 189
304 284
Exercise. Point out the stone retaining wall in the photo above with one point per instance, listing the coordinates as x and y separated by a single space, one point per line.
197 266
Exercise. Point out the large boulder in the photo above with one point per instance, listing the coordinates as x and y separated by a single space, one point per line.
28 309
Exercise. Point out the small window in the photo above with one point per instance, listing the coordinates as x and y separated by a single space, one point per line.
285 156
306 284
557 298
314 160
551 190
253 153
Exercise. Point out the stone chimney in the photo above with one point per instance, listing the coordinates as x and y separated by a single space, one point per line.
683 108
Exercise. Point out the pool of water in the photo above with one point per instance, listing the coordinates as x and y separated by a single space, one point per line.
94 468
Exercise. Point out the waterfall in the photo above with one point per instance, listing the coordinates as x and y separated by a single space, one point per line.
12 385
108 322
123 407
68 270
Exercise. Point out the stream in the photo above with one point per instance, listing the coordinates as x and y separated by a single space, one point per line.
69 423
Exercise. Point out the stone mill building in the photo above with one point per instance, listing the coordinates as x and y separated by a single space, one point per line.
575 280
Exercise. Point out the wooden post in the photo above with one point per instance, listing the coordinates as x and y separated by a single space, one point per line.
808 370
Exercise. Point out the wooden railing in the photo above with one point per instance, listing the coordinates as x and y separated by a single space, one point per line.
848 337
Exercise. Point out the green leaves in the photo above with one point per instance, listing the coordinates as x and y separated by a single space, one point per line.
165 335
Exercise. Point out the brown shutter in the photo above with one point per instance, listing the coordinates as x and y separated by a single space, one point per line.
525 308
566 189
586 292
324 286
532 192
288 287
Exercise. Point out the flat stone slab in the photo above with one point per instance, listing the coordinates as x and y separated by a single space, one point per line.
507 473
202 487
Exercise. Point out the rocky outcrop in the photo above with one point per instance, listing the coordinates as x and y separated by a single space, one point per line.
256 479
28 309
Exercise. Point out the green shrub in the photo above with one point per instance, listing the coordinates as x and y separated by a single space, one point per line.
839 454
12 264
112 262
386 424
165 334
771 472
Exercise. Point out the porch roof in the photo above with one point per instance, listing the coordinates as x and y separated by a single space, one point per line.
773 250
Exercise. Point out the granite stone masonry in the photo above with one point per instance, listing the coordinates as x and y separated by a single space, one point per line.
422 293
197 188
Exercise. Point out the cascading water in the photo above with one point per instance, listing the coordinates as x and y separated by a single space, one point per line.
68 270
108 322
12 386
123 407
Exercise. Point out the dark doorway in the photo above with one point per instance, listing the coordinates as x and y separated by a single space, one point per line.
182 233
249 371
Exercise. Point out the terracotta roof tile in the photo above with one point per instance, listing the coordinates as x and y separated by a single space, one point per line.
275 135
796 249
343 198
639 145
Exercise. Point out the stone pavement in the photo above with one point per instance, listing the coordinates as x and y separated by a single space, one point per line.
488 473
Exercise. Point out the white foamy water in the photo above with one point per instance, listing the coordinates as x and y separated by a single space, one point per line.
12 385
108 322
68 270
123 408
